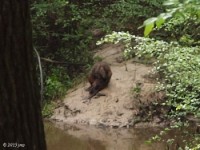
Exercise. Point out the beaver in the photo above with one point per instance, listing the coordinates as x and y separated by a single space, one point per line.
99 78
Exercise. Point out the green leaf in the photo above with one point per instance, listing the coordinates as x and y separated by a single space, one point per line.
171 2
148 29
166 15
179 107
159 22
149 24
150 21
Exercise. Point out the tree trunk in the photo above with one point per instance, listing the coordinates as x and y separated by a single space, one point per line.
21 122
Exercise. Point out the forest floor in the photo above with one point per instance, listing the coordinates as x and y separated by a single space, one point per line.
129 96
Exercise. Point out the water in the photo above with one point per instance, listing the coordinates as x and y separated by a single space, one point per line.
65 137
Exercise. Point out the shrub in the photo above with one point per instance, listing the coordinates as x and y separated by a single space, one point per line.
129 14
182 21
56 84
178 66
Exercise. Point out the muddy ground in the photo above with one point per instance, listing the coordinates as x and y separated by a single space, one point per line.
128 96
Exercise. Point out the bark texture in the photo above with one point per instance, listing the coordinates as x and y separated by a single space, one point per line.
20 110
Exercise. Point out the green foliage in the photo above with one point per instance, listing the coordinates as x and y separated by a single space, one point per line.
59 30
122 13
149 26
48 108
136 90
180 69
178 66
195 146
57 84
189 138
185 18
98 59
116 37
184 29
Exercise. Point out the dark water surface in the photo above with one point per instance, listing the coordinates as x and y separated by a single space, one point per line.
65 137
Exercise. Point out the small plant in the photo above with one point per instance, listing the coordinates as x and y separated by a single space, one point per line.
137 89
117 37
57 84
98 58
47 109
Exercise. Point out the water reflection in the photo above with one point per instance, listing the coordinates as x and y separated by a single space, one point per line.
65 137
57 139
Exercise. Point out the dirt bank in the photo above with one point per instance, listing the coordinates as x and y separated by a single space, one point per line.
129 88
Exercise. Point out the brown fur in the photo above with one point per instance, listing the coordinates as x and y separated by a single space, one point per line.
99 78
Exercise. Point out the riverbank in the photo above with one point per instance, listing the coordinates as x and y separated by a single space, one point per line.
131 90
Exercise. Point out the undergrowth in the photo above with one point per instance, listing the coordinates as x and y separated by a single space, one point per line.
178 67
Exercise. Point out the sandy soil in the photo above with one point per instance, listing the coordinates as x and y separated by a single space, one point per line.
120 105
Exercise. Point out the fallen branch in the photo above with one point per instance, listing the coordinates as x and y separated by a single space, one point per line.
60 62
